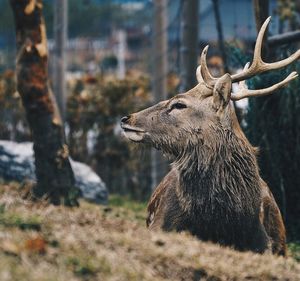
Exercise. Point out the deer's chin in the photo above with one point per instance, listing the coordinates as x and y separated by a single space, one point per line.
134 136
133 133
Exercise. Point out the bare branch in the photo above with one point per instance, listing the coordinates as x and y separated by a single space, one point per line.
285 38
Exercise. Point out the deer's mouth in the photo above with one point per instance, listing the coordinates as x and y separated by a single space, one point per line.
133 133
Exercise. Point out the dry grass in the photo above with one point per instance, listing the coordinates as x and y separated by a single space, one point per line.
111 243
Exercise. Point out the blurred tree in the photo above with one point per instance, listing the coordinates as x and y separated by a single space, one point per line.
55 179
92 19
6 18
219 27
109 62
288 13
95 106
189 44
13 124
160 69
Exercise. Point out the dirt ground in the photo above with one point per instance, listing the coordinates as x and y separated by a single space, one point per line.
42 242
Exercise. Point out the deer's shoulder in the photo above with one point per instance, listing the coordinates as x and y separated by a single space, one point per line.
168 184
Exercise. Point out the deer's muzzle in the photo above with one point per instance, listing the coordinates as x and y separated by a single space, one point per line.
131 132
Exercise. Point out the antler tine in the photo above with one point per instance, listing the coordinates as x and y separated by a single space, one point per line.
206 76
244 92
198 74
257 59
258 65
242 84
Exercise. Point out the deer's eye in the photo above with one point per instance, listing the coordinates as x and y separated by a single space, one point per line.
178 105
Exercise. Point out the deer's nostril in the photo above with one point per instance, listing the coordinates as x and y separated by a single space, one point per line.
125 119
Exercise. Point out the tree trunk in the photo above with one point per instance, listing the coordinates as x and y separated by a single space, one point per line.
59 57
160 73
261 11
220 34
55 178
189 44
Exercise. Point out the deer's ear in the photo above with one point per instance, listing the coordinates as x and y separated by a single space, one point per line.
222 92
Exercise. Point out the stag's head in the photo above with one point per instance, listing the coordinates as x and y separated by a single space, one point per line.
202 115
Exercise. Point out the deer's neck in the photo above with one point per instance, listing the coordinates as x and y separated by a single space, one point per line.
219 179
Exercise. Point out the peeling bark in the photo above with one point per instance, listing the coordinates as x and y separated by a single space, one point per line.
55 179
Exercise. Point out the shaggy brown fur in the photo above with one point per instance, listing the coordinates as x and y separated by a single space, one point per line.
214 189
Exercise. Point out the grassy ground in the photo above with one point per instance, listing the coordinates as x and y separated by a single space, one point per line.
40 242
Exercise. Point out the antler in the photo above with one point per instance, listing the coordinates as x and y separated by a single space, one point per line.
257 66
206 76
198 74
244 92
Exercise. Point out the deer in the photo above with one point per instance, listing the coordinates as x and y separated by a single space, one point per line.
214 189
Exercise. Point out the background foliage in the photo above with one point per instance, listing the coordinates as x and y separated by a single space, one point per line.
272 124
94 109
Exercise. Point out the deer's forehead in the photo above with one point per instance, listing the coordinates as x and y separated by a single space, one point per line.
192 98
178 97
